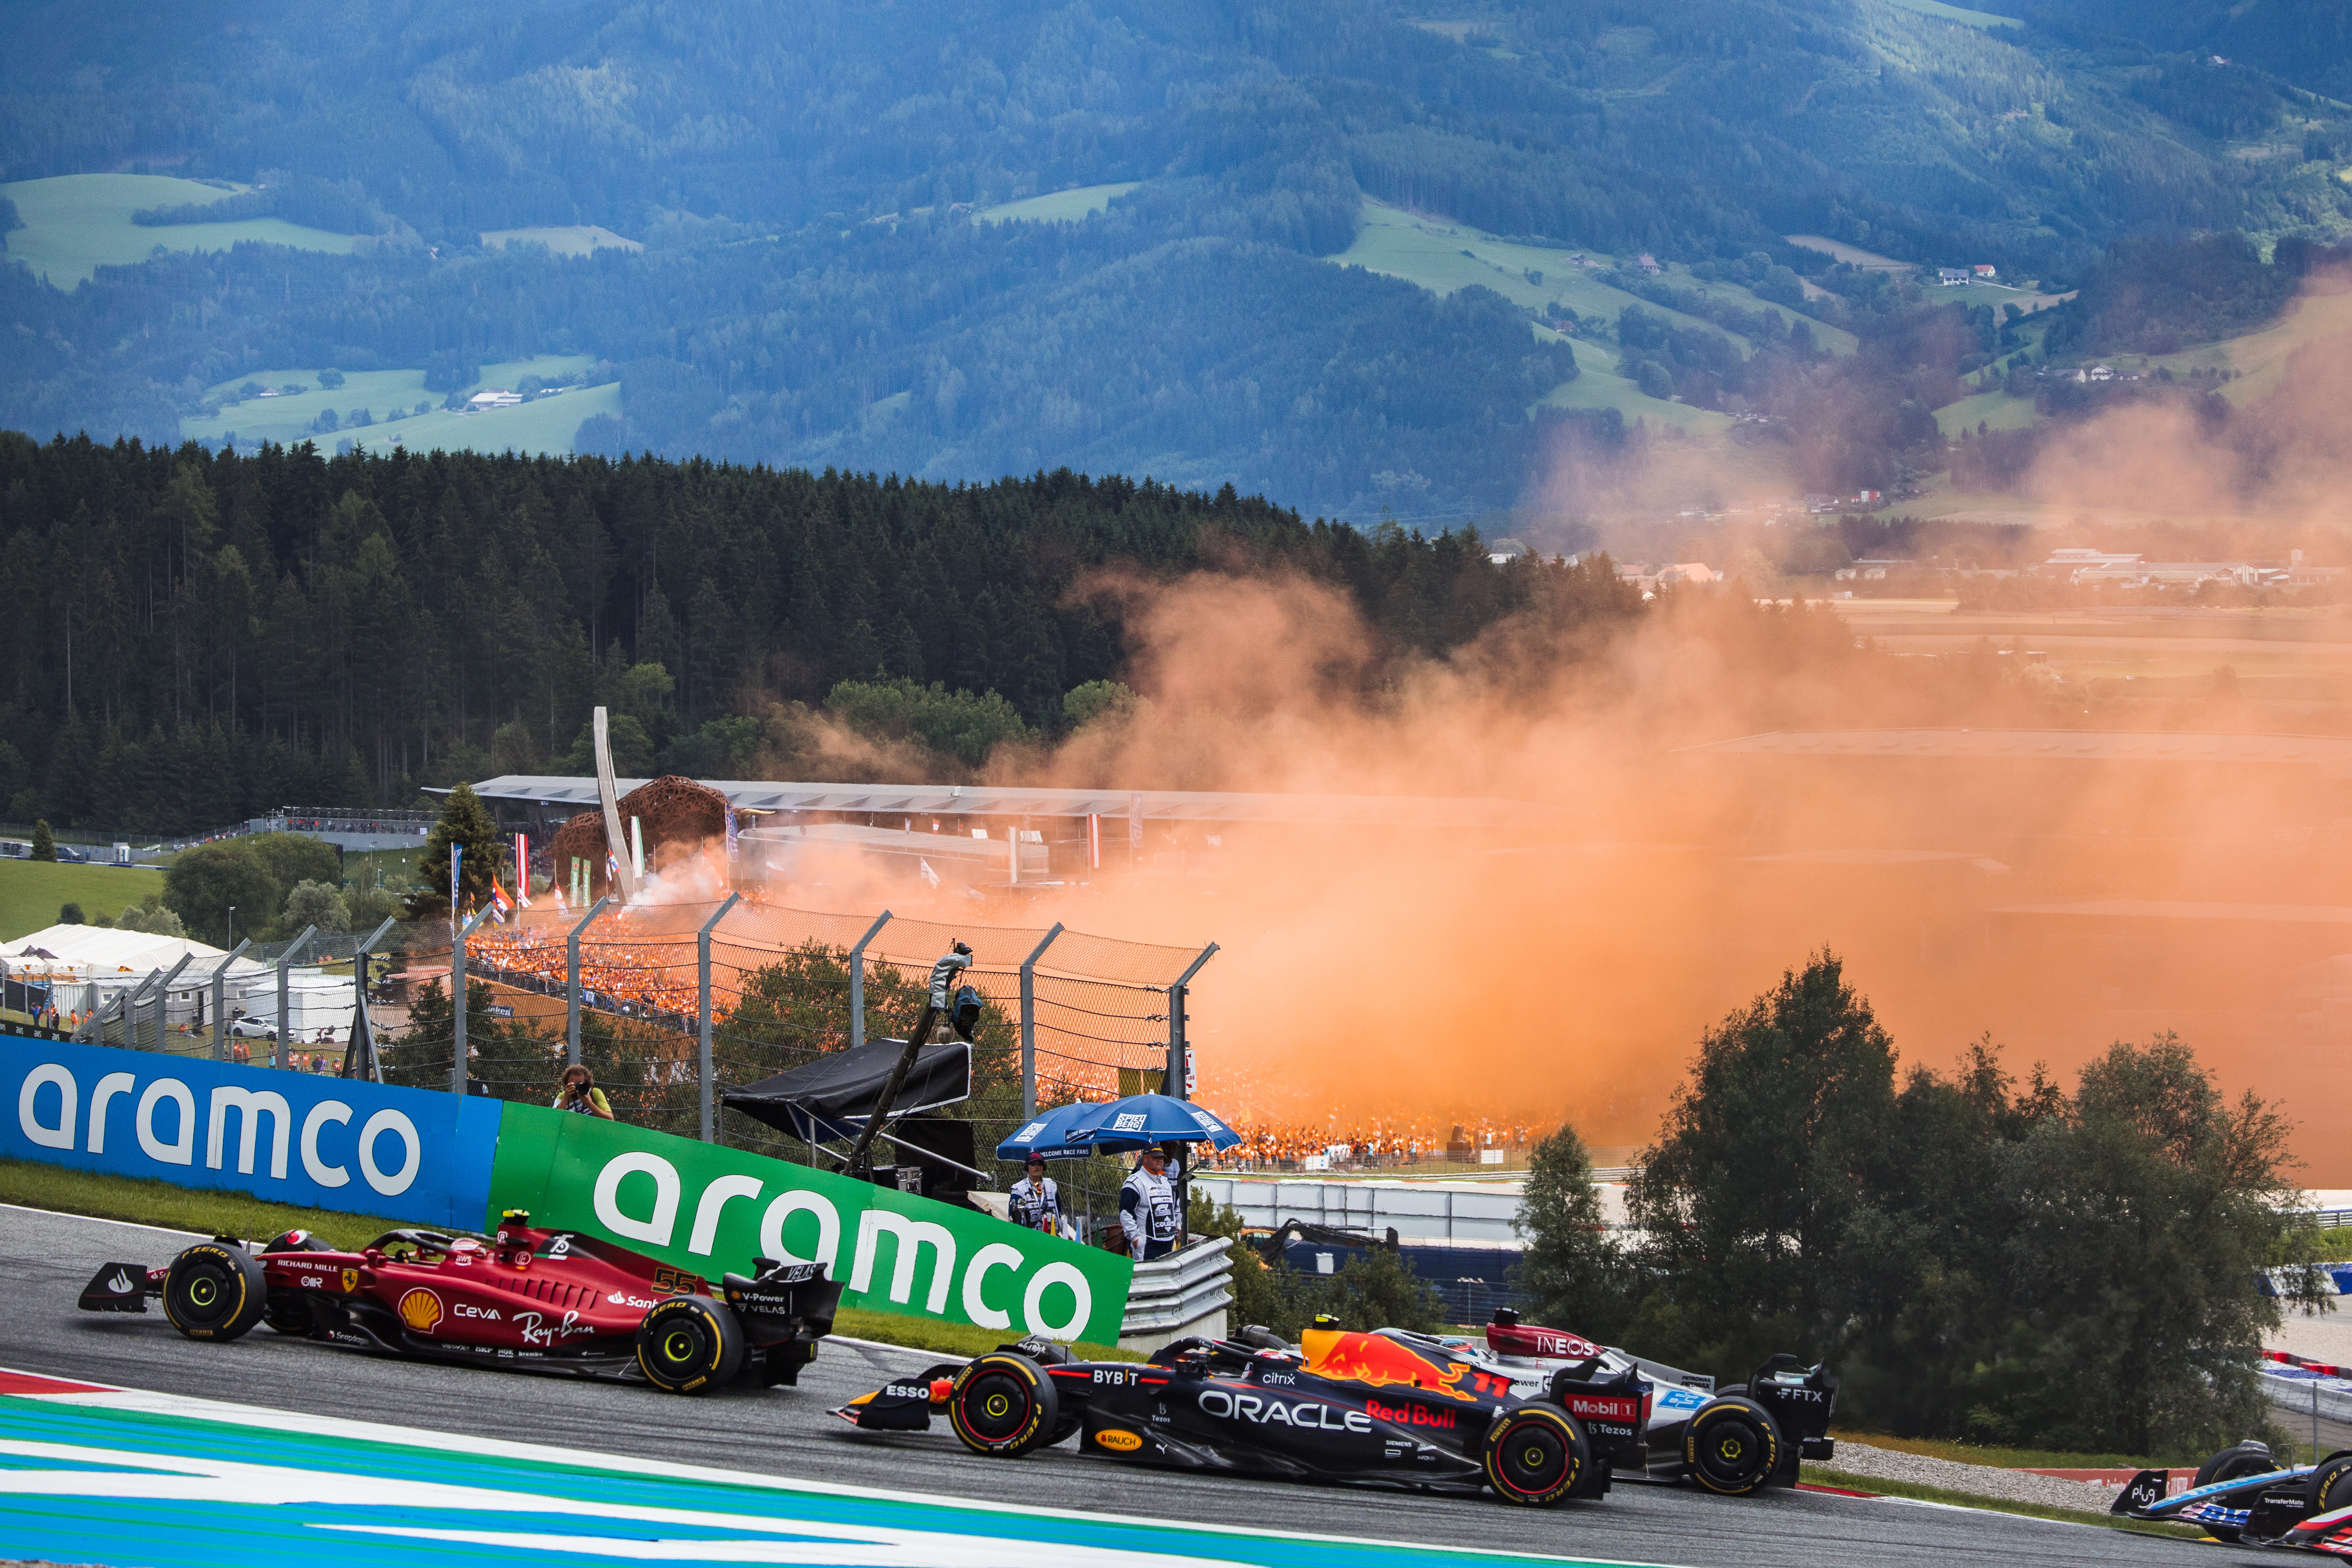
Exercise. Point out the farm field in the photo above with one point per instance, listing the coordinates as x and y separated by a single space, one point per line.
1598 386
31 891
1430 251
76 223
386 393
1059 206
2259 358
574 240
1994 410
542 425
1960 14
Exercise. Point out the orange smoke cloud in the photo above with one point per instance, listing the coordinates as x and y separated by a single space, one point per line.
1565 964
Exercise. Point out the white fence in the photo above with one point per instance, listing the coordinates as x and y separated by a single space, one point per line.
1186 1292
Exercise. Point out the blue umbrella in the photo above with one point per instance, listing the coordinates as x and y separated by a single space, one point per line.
1047 1136
1141 1121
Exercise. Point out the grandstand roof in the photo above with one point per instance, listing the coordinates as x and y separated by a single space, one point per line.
998 800
2332 754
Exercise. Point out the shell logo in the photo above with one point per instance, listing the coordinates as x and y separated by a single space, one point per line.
420 1310
1111 1437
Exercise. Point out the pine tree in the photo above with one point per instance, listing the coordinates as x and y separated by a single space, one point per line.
465 821
45 843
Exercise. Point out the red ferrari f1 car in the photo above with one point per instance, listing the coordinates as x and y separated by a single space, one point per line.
549 1299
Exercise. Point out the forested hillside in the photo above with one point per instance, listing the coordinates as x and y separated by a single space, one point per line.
197 638
813 288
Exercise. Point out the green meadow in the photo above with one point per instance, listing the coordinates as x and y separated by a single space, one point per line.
76 223
1960 14
390 397
1061 207
571 239
31 891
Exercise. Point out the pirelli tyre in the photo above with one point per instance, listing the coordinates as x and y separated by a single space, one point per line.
1003 1404
2329 1485
1535 1456
214 1290
1731 1446
2241 1463
689 1344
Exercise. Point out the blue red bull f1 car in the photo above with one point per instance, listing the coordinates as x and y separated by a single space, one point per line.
1387 1406
2245 1494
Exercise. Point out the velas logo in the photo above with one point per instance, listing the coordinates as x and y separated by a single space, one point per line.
1117 1441
421 1311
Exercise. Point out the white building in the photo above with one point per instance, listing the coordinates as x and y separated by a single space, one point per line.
87 967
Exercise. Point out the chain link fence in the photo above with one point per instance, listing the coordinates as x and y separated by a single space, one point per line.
782 984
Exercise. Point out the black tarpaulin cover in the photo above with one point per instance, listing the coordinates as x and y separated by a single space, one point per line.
838 1090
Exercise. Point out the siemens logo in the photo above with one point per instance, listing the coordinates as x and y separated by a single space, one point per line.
314 1141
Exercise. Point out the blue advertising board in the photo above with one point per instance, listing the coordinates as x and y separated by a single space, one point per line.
290 1137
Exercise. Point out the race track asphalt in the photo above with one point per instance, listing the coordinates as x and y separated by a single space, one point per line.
47 1257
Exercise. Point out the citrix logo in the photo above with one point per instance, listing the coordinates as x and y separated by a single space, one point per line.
1266 1412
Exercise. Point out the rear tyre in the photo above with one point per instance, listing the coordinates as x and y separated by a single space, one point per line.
214 1290
1535 1455
688 1344
1731 1446
1003 1404
288 1311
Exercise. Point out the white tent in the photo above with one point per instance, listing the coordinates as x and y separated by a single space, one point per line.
86 965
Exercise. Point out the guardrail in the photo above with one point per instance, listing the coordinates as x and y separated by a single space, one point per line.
1186 1292
1431 1213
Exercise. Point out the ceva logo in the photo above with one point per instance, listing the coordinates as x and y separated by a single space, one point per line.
912 1242
164 1118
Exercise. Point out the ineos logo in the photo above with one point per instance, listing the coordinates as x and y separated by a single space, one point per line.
1232 1406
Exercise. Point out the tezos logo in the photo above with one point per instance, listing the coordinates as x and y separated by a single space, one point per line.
421 1311
1117 1441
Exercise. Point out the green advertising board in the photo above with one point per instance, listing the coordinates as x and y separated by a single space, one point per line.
712 1209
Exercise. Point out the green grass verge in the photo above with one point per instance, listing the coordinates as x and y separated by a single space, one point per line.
144 1202
1823 1476
32 1184
2014 1458
949 1339
75 224
31 890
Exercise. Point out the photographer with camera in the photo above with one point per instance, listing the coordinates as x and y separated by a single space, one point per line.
581 1094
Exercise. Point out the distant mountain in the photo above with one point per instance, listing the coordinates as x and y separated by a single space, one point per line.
813 288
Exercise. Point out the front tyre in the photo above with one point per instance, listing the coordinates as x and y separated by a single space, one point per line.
214 1290
2238 1464
1003 1404
688 1344
1535 1455
1731 1446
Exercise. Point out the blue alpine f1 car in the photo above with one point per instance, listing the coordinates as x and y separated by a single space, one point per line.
2245 1494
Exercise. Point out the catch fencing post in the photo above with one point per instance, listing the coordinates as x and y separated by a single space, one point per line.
572 981
457 1000
371 1067
285 1025
857 981
702 966
220 1000
162 1002
1029 1024
1175 1089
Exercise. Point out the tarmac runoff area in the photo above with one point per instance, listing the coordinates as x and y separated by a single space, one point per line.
784 1434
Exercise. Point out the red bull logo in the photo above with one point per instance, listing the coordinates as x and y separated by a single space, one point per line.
1378 1362
1411 1415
